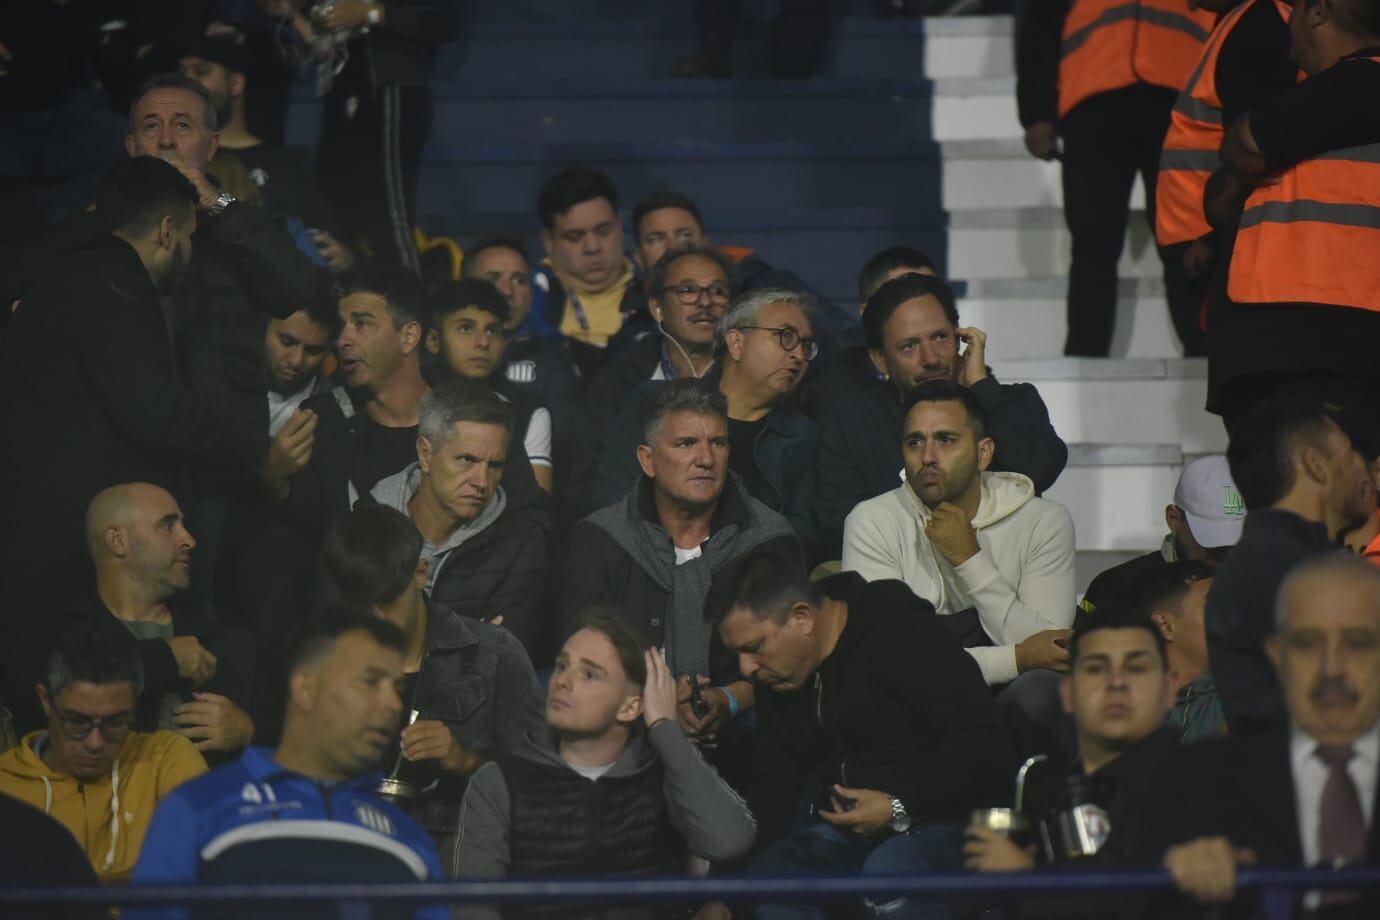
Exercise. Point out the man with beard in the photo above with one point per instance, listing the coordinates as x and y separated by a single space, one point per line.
308 811
1304 486
996 562
295 350
105 407
913 336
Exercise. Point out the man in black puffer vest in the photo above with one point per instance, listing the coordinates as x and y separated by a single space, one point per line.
597 793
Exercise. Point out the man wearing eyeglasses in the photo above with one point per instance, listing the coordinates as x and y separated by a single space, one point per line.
763 345
89 769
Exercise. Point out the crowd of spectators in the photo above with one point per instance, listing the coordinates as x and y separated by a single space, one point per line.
598 562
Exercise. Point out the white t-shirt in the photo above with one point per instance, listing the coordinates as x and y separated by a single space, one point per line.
685 555
280 407
538 440
591 772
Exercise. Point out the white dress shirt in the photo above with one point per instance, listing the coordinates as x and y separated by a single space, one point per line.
1310 774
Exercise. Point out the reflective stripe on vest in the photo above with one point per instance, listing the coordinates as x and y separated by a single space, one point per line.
1314 236
1189 157
1111 44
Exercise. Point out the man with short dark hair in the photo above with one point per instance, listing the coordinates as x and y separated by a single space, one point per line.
1117 691
1175 597
585 288
652 555
308 811
870 715
1204 521
486 556
89 768
594 792
997 560
1304 485
367 429
112 391
1303 794
764 343
470 684
913 336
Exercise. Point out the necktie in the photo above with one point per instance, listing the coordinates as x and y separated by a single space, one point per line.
1341 822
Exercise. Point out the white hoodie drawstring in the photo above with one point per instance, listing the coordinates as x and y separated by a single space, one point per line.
47 795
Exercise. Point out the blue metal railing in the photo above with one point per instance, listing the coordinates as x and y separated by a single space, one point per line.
1278 887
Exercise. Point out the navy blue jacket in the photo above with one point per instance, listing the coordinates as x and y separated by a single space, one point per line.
255 821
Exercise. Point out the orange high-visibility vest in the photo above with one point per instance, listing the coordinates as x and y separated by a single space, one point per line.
1110 44
1189 157
1315 236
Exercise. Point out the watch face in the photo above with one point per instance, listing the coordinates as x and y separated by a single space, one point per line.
900 824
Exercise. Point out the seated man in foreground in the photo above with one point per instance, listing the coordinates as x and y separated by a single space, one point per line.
1301 795
89 769
870 714
612 787
996 562
308 811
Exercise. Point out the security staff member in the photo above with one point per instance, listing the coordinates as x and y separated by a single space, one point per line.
1302 309
1245 63
1102 76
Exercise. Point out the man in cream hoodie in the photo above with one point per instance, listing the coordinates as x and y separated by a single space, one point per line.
89 770
990 556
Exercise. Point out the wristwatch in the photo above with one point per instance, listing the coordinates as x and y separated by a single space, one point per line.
223 201
900 821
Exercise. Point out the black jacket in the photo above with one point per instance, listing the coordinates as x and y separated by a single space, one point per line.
1241 614
36 850
402 50
89 397
860 441
898 706
544 370
1240 787
599 408
501 571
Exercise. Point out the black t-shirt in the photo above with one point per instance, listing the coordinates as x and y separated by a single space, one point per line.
287 185
1254 65
1332 110
742 459
379 451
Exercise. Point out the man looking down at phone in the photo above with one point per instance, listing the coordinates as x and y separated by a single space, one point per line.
875 734
913 337
996 562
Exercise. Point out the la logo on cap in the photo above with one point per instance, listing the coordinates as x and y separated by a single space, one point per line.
1232 503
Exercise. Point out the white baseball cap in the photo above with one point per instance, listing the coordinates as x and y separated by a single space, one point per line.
1208 498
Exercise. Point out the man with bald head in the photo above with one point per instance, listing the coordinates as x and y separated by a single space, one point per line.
1303 795
142 554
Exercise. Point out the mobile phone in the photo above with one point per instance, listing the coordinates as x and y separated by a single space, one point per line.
698 705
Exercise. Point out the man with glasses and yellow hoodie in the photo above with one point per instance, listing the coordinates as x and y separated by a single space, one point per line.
89 769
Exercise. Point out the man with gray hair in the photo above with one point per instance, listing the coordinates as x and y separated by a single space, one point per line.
764 344
651 556
1302 793
487 556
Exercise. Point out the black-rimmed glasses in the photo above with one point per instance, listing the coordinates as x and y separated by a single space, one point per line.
689 294
76 726
789 339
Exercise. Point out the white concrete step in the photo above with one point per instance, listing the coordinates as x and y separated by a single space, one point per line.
972 108
1124 401
967 46
1024 318
1033 243
984 173
1116 493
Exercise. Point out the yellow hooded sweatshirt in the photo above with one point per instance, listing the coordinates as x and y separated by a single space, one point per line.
107 816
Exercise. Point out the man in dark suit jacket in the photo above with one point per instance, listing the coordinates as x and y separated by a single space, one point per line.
1303 795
